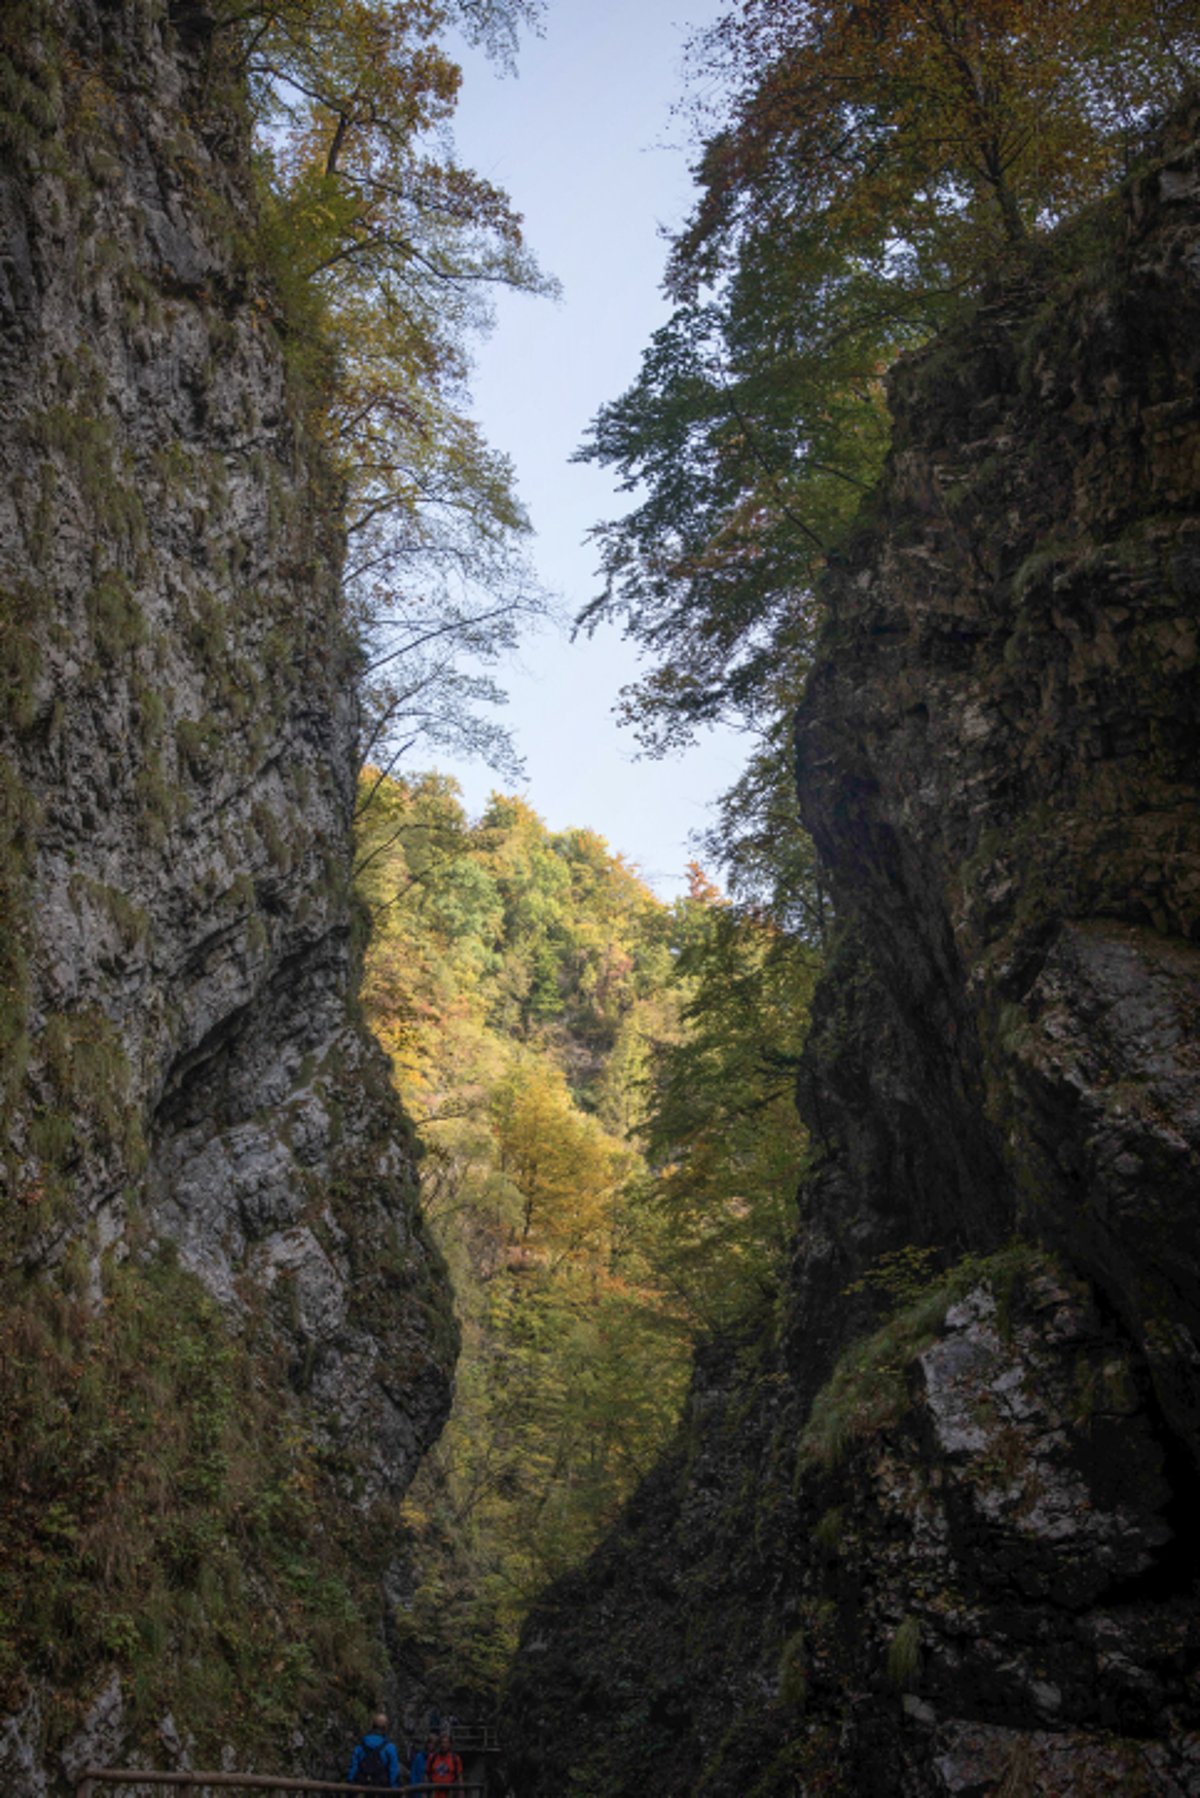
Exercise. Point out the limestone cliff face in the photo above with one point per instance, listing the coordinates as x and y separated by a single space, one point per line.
182 1058
937 1535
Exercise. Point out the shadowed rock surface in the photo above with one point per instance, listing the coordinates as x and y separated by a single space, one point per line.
183 1062
935 1532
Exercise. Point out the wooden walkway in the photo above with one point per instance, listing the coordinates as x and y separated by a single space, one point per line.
93 1779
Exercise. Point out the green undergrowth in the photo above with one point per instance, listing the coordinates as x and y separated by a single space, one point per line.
869 1387
168 1518
904 1653
18 821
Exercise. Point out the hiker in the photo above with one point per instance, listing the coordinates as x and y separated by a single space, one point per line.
418 1771
375 1761
443 1768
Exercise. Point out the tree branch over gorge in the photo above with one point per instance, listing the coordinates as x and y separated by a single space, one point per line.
864 168
385 252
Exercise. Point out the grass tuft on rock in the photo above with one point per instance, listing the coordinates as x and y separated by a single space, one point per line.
168 1518
904 1654
869 1387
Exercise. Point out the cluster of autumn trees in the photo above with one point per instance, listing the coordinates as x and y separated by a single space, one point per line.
603 1087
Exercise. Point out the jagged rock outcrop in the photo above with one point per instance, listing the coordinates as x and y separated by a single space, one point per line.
182 1060
936 1533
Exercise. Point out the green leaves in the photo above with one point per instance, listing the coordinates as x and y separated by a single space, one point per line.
513 973
604 1088
755 427
721 1130
871 165
386 253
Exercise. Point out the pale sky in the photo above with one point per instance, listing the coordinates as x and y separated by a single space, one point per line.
578 138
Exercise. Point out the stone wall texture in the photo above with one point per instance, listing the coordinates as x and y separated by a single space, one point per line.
181 1050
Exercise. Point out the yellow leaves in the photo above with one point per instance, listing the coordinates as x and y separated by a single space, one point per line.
562 1162
572 1368
386 254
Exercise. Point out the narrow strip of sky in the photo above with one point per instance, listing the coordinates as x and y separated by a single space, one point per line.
583 141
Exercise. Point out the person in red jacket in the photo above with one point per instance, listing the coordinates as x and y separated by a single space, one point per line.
443 1767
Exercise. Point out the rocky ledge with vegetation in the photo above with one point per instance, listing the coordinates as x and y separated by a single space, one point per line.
930 1528
225 1337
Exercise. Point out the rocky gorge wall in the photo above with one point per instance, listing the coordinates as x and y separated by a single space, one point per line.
197 1130
932 1530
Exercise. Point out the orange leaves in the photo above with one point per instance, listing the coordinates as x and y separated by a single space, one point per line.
1013 110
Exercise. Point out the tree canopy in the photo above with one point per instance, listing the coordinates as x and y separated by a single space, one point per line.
387 252
869 165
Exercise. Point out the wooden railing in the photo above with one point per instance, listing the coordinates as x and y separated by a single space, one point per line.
92 1778
475 1738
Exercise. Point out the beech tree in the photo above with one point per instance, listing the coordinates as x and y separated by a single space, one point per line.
957 124
563 1165
387 252
871 162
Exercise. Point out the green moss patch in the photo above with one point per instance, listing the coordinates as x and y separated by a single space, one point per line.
869 1387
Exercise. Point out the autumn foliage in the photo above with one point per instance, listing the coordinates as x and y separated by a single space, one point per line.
386 252
944 126
864 169
603 1087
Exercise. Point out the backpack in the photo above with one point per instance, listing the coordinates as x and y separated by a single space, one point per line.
372 1766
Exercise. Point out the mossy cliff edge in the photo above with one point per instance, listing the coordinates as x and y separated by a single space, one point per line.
932 1530
226 1338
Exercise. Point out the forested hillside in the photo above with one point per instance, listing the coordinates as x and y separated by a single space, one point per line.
602 1087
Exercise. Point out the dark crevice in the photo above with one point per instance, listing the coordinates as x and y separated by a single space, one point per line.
198 1084
1175 1568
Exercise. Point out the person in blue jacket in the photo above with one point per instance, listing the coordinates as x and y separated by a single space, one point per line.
416 1774
375 1761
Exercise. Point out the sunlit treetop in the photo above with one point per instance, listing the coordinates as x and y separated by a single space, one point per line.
952 125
